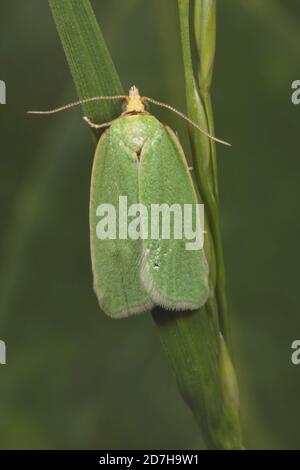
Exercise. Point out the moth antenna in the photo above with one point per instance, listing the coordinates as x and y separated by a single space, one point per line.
182 115
76 103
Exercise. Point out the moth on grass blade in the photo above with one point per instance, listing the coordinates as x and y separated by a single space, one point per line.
143 209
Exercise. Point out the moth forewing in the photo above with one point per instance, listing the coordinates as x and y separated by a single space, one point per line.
115 261
176 278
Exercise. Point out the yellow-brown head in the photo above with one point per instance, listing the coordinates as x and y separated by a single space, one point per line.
134 101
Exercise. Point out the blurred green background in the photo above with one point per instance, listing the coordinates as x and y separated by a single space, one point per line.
75 378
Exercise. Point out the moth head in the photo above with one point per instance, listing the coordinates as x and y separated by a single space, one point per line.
134 101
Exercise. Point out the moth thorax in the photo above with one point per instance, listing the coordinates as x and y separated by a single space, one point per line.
134 102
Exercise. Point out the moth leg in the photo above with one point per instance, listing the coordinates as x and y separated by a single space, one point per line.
96 126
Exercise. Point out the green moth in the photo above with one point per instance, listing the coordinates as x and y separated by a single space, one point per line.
141 190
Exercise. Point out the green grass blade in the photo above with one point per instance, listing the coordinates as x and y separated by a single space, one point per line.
89 60
192 344
199 109
193 341
205 38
